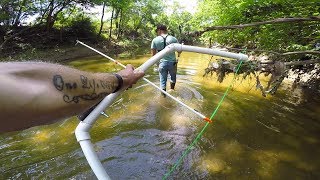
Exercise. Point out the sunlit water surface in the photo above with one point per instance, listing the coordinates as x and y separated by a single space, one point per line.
252 137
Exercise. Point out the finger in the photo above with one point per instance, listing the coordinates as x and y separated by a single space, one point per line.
129 66
139 73
129 87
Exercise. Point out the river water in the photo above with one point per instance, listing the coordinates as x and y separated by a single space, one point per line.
252 137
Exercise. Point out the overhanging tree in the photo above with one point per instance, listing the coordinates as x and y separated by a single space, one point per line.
283 30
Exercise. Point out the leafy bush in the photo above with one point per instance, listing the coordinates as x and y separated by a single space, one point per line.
82 29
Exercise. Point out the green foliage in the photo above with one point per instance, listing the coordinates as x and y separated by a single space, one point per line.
178 23
140 18
66 17
82 28
136 19
12 13
277 37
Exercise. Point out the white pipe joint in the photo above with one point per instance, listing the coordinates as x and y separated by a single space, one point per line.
154 59
82 131
177 47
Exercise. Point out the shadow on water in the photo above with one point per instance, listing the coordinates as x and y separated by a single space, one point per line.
251 137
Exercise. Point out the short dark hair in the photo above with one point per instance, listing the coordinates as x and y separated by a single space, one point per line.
161 27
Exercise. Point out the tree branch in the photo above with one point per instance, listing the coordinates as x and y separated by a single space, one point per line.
241 26
273 52
302 52
254 50
294 63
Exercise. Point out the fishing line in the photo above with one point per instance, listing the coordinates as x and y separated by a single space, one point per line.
186 152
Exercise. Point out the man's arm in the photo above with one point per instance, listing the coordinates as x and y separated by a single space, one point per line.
153 52
34 93
176 41
179 53
153 48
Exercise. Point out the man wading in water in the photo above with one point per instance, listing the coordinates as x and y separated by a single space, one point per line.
168 64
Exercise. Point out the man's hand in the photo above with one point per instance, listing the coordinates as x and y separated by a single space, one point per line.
130 76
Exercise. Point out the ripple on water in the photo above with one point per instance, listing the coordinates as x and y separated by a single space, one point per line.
124 155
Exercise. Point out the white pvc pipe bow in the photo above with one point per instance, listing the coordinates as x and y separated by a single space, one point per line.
151 83
82 130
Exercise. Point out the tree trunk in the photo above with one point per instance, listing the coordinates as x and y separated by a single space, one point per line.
49 17
101 21
52 16
119 23
110 31
17 18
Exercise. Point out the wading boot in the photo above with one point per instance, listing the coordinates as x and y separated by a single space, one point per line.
163 94
172 85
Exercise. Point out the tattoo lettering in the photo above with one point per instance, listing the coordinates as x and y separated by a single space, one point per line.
85 83
88 84
106 85
58 82
71 86
92 84
75 99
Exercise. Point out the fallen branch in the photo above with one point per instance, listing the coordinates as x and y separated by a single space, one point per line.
295 63
277 53
253 50
241 26
302 52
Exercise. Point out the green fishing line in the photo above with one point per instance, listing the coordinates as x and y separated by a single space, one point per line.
186 152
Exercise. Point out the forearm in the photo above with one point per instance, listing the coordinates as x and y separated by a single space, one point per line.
39 93
153 52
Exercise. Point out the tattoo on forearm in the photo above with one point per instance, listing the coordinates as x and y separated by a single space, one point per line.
71 86
58 82
87 84
75 99
93 84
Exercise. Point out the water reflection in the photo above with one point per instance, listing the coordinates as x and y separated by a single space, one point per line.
251 137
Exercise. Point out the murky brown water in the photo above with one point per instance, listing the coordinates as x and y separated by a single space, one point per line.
252 137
